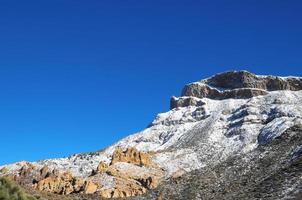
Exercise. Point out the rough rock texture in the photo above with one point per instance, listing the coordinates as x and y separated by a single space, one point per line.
237 85
132 173
184 102
102 167
244 79
90 187
131 155
272 171
60 184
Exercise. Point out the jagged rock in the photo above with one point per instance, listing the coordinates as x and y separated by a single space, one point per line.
57 184
90 187
237 85
124 188
184 102
133 172
44 172
150 182
26 174
64 184
202 149
78 185
22 163
244 79
55 172
102 167
131 155
201 90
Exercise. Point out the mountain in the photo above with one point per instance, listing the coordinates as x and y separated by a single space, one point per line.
235 135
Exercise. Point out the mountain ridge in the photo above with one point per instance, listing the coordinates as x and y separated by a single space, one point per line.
229 114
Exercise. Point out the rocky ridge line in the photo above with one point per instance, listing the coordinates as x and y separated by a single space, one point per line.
132 172
234 84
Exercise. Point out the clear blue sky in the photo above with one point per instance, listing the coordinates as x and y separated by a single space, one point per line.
76 76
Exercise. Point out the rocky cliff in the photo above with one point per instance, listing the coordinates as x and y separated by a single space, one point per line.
235 135
236 85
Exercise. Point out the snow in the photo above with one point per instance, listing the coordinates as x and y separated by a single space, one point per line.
227 127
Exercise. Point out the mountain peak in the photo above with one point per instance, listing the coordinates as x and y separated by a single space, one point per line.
234 85
221 137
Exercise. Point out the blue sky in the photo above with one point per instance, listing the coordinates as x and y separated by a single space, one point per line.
76 76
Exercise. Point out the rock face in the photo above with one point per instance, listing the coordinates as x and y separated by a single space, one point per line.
272 171
102 167
61 184
184 102
90 187
132 173
131 155
244 79
236 85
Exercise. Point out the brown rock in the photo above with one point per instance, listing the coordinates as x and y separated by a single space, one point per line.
131 155
55 173
78 185
134 178
25 171
60 184
44 172
237 85
123 188
90 187
108 193
102 167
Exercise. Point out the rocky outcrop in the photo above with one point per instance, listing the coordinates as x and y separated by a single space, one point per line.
271 171
62 184
244 79
236 85
131 181
102 167
65 184
124 188
131 155
90 187
184 102
133 171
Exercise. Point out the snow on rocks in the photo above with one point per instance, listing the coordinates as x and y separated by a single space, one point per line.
193 136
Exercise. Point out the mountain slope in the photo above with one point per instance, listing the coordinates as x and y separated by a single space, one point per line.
218 138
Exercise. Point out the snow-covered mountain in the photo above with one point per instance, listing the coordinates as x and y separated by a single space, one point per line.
233 114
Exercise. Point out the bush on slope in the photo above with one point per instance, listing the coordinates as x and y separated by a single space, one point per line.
9 191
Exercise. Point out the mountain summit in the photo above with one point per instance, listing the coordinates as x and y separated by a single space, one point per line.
235 135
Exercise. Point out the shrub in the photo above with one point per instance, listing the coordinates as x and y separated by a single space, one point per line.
9 191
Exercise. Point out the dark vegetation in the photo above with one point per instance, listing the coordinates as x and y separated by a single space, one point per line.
9 191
